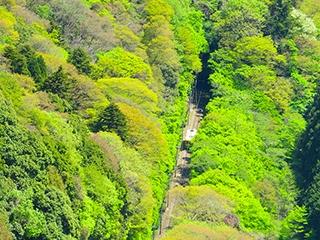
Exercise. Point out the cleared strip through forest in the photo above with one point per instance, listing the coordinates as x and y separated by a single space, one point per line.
181 171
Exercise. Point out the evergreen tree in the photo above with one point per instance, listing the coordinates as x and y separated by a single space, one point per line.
279 22
307 152
111 119
58 83
34 70
27 51
306 166
80 60
42 66
38 70
18 63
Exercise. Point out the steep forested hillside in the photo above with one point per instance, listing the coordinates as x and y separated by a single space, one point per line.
93 97
264 73
92 94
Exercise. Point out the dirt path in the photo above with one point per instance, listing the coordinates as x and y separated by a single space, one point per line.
181 173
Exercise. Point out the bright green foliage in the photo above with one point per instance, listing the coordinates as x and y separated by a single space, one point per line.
162 57
97 211
190 38
248 208
251 65
25 31
293 125
101 189
44 11
189 50
256 57
198 203
89 2
146 138
311 8
199 230
130 42
248 145
120 63
238 19
58 181
303 57
136 172
157 27
303 93
31 221
195 19
221 61
258 51
7 23
228 140
133 89
59 128
46 45
261 78
294 224
159 8
263 104
10 88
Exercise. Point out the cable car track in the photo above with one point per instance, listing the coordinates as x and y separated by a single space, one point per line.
181 173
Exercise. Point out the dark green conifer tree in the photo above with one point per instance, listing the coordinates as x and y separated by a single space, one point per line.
27 51
306 166
42 66
58 83
80 60
18 63
34 70
279 22
111 119
307 152
38 70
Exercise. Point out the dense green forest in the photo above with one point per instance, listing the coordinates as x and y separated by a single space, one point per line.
93 96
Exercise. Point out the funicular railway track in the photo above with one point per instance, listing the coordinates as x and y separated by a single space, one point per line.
181 172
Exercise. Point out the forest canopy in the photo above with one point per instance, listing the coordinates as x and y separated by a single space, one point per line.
94 95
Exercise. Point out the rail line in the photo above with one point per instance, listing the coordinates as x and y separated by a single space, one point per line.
181 170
